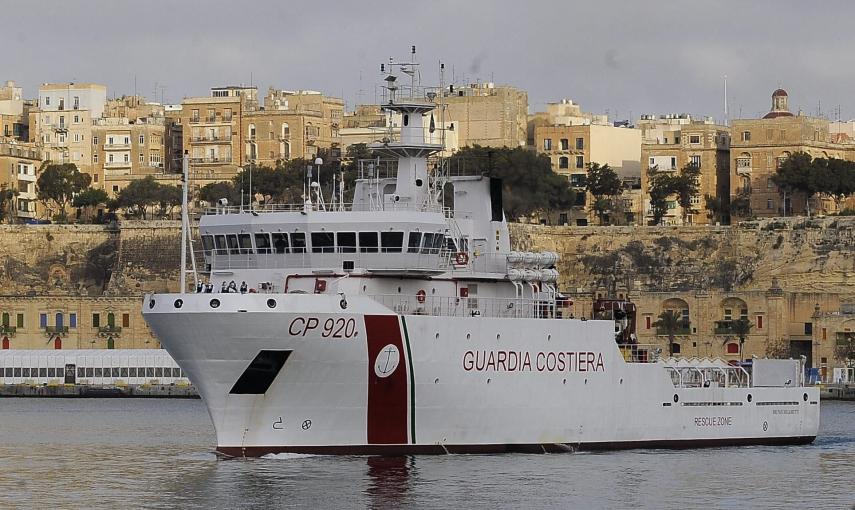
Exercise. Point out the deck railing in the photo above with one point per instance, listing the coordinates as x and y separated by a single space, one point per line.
446 306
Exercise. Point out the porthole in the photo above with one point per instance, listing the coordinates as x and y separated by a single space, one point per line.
151 303
178 303
215 303
271 303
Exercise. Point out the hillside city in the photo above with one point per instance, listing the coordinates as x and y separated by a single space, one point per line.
667 169
71 154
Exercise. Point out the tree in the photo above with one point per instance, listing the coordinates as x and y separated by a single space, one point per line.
58 183
89 199
686 188
741 328
604 184
844 350
671 321
214 191
741 205
716 208
660 186
167 197
795 175
139 194
529 185
7 196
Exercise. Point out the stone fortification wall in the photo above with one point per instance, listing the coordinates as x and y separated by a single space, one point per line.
802 255
88 260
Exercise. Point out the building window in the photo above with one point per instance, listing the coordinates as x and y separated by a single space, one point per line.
647 322
96 320
43 320
547 144
808 328
580 144
94 158
94 140
127 158
759 322
694 139
769 204
142 139
565 144
127 140
563 162
77 119
142 158
126 320
733 348
695 160
580 162
95 177
673 163
115 188
746 136
47 100
72 320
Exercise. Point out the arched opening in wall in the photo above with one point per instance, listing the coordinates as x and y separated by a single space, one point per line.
732 348
111 344
59 321
57 343
111 320
406 120
250 134
6 342
731 309
681 307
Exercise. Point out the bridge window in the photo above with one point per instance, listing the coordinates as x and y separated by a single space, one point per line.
220 243
391 242
233 244
245 241
431 243
323 242
450 245
280 242
298 242
207 244
368 242
414 242
262 243
347 242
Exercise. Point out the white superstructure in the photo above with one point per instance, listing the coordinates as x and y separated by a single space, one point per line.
402 323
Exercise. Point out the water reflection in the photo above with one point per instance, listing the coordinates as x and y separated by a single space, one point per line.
389 480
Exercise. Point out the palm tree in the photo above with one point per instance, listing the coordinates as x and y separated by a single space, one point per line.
671 321
741 328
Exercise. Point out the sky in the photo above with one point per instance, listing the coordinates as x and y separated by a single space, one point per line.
621 58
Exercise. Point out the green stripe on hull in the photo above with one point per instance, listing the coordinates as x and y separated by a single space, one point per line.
412 383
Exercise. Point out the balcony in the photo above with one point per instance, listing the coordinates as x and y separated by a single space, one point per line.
210 161
195 120
723 327
109 330
203 139
27 177
7 330
116 146
56 330
117 164
682 330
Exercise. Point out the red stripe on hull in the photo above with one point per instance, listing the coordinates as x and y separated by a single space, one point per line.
387 396
430 449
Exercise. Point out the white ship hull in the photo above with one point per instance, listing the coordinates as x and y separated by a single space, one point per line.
460 384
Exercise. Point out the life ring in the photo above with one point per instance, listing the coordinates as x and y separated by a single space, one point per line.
461 258
421 295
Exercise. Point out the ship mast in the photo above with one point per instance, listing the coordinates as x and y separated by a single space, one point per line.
411 151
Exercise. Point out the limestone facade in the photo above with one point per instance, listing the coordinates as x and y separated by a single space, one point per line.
124 147
760 146
19 165
211 128
321 121
487 115
573 148
670 146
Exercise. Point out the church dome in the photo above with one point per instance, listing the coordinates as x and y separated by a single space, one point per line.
779 105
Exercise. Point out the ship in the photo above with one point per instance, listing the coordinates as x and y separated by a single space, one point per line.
401 322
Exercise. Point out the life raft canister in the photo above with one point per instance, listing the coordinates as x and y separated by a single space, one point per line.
421 295
461 258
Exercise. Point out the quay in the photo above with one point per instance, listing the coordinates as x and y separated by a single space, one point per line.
838 391
99 391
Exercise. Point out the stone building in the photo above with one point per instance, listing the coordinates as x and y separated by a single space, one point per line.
760 146
211 128
62 122
670 143
487 115
317 120
19 165
13 118
124 147
572 149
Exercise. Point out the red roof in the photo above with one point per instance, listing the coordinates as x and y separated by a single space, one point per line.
774 115
779 92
